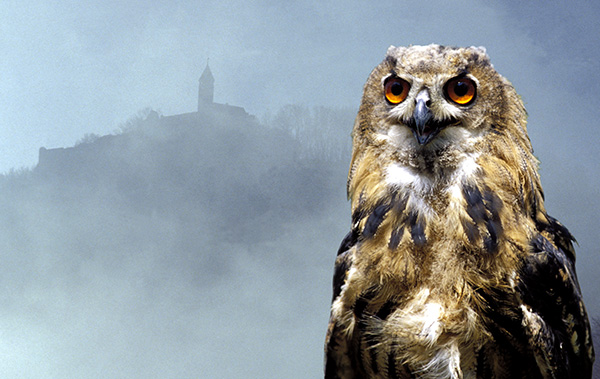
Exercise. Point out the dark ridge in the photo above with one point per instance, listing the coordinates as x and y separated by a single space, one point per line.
534 205
360 212
393 371
490 242
398 202
331 368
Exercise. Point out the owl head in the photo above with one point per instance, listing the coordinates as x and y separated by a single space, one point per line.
425 99
433 119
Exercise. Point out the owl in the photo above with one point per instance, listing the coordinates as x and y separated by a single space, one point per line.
452 267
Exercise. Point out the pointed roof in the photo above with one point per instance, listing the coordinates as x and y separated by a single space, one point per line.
207 76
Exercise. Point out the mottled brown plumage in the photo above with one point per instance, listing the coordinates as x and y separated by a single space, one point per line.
452 267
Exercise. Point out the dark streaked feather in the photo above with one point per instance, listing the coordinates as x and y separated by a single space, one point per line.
548 286
417 229
375 219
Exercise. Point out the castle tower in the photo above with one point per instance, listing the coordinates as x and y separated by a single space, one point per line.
206 88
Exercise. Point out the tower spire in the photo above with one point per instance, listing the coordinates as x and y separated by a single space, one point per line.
206 88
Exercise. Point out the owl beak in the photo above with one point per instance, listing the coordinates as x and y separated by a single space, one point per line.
421 124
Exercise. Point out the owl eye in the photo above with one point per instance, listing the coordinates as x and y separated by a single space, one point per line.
396 90
460 90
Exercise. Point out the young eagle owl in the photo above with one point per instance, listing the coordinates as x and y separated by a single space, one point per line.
452 267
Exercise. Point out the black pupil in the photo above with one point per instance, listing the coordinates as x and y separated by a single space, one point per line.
397 89
461 88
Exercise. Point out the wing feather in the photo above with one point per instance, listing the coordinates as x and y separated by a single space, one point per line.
337 361
554 317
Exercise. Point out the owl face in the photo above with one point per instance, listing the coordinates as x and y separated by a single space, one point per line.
424 98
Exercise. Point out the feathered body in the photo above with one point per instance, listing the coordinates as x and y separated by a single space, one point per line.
452 267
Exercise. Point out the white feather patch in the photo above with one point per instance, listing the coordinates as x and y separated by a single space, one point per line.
444 364
432 326
402 176
531 320
468 166
465 170
399 176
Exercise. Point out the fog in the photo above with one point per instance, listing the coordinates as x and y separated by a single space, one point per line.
203 245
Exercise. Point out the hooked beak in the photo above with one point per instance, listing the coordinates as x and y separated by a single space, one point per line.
422 124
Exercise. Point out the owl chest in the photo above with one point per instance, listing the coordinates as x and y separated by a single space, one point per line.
425 222
423 335
413 238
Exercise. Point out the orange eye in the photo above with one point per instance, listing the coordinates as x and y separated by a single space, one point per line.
396 90
460 90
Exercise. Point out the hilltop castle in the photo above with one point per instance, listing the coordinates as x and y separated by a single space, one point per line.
207 108
208 111
206 90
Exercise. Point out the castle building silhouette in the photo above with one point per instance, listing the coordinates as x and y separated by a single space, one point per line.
206 93
208 112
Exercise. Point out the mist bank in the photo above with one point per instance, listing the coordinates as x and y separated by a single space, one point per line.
200 246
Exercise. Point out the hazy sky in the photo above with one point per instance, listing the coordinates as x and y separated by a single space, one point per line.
75 67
